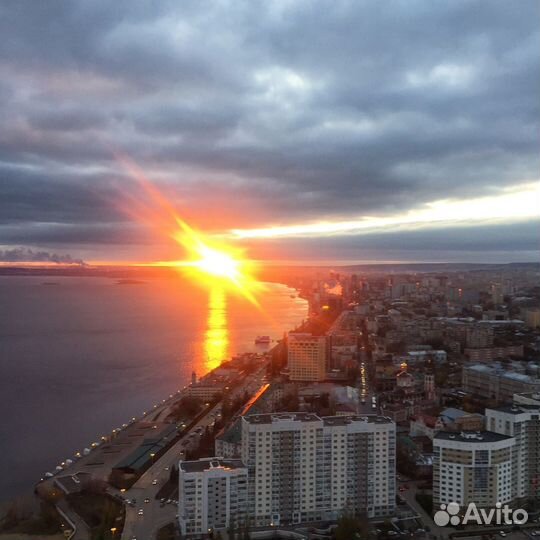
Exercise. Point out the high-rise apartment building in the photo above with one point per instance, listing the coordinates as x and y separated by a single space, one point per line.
306 357
212 495
472 467
306 468
523 423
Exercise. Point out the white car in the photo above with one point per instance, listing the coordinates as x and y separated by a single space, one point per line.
154 482
140 512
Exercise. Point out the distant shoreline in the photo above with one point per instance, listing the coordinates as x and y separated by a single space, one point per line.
132 274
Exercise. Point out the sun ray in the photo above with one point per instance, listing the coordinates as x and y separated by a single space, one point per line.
207 260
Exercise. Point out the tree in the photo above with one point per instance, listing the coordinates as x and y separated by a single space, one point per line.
350 526
173 475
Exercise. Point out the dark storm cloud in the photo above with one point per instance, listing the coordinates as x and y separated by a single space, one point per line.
273 111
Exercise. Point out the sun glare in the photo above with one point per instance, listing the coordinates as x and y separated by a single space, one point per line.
206 260
218 264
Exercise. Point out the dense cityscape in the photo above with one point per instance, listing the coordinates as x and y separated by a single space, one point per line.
400 393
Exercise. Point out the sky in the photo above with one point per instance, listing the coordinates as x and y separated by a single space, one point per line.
299 130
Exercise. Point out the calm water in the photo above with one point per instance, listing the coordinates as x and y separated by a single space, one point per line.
81 356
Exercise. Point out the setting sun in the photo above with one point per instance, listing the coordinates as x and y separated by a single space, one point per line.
206 259
210 261
218 264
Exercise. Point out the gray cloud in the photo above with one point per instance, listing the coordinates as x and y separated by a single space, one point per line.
22 254
256 112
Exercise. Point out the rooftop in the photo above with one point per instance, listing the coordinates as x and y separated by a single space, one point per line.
268 418
516 408
471 436
311 417
206 464
346 420
497 370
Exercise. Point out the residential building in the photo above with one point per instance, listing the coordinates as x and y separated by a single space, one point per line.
212 495
306 357
472 467
527 399
532 317
305 468
493 353
523 423
497 383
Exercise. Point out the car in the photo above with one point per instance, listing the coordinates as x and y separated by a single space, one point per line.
161 500
502 533
147 500
167 468
140 512
154 482
536 533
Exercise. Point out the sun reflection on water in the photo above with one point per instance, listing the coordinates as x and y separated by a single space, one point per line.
216 343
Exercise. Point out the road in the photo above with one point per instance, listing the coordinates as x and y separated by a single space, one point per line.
409 496
114 446
475 533
81 531
156 515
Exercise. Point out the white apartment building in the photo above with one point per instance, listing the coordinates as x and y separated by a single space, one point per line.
212 495
522 422
306 468
306 357
472 467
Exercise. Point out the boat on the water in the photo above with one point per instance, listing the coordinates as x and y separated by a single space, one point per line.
260 340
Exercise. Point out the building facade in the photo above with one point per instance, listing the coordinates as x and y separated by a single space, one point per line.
305 468
212 495
472 467
522 422
496 383
307 356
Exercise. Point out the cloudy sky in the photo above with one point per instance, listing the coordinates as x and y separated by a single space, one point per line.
380 130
